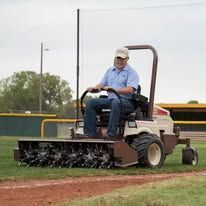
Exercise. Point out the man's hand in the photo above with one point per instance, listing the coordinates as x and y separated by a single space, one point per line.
107 88
89 89
97 88
94 89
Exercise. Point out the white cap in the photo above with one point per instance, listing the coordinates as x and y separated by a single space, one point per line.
122 52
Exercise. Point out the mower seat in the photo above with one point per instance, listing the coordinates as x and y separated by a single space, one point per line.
140 111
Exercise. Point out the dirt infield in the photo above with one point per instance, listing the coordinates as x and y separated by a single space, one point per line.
51 192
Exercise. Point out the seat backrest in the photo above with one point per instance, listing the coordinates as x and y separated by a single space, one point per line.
141 105
139 89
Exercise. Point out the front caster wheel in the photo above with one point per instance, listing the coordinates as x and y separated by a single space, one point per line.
189 156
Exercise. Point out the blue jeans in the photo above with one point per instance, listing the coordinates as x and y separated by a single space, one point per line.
94 105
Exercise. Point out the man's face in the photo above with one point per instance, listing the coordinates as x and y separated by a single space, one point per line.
120 63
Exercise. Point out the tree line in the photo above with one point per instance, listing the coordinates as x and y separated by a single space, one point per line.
20 92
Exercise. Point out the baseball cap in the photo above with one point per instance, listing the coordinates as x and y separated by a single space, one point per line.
122 52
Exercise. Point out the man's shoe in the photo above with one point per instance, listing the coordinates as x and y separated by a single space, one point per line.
108 137
113 138
119 137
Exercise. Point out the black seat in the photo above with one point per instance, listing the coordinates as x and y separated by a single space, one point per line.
140 112
141 106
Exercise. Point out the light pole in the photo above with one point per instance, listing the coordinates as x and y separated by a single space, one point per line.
41 77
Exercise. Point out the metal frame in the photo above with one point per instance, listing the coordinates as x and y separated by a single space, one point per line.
153 76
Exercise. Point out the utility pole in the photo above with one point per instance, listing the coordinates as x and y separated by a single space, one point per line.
40 79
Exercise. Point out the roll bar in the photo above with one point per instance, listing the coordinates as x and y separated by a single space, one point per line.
153 76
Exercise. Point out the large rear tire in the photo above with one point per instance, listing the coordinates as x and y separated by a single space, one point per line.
150 150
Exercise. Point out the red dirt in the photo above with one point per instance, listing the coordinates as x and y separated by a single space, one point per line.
51 192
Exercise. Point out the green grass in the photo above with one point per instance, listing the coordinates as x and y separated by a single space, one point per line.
187 191
9 169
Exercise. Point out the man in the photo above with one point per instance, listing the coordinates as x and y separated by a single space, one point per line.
124 79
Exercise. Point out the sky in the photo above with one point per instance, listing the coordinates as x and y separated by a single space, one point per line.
176 29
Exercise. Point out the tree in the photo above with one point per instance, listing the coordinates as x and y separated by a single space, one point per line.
18 92
21 92
56 93
193 102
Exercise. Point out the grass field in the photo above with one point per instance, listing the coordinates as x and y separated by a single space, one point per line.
9 169
185 191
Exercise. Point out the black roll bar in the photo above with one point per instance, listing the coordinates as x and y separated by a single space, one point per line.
153 76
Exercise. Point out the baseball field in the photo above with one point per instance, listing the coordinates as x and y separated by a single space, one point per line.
173 184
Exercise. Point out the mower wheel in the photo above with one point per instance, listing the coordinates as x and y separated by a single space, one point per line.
189 156
150 150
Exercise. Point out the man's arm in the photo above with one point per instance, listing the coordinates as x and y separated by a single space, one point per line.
124 90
